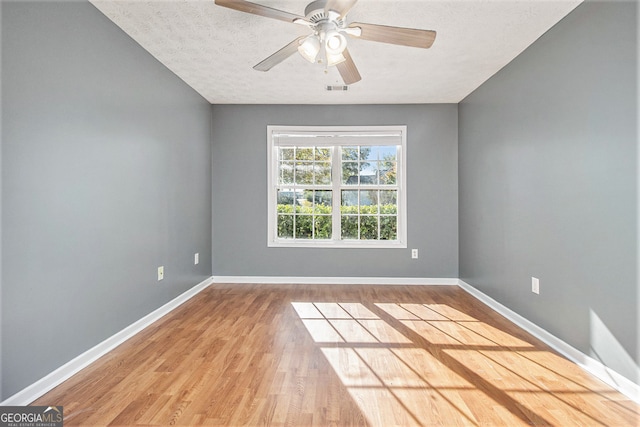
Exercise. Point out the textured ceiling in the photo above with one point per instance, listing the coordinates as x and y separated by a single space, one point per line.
213 49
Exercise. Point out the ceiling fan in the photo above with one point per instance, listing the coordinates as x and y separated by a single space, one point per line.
327 43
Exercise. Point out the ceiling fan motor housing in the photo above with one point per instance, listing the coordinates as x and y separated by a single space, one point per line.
315 13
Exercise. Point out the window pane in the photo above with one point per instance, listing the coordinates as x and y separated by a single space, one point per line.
286 153
369 153
322 227
323 201
304 226
388 174
323 154
285 226
285 199
349 153
304 202
349 202
304 153
304 173
388 202
388 153
349 226
285 174
369 202
323 173
368 173
369 227
389 227
350 171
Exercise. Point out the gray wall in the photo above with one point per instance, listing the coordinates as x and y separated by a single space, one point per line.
548 184
240 200
105 176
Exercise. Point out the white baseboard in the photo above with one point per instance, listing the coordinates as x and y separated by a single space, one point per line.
40 387
284 280
589 364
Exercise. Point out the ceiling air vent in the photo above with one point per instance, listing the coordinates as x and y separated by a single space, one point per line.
338 88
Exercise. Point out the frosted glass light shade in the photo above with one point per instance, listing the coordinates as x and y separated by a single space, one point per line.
310 48
334 59
335 43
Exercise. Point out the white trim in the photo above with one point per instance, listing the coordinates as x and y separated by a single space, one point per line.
590 365
335 137
284 280
334 244
284 135
64 372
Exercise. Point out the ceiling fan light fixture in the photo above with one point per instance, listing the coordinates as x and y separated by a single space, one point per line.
309 48
334 59
335 43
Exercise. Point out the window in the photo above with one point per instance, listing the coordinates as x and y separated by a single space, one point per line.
337 186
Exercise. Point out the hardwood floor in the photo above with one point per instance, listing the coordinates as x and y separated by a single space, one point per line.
336 355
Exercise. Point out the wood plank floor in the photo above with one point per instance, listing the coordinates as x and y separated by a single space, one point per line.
336 355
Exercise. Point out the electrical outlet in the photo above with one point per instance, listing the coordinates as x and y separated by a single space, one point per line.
414 253
535 285
196 259
160 272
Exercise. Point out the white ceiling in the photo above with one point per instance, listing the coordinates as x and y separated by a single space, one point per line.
213 49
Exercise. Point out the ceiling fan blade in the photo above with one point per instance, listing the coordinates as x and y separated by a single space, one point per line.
341 6
348 70
395 35
280 55
258 9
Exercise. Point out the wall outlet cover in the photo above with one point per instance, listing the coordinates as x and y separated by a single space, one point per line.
535 285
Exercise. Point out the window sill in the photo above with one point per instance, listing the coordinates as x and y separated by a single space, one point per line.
336 245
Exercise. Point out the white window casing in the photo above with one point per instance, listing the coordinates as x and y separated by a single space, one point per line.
333 140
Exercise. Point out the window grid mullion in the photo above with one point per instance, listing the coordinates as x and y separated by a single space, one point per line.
336 181
359 213
378 208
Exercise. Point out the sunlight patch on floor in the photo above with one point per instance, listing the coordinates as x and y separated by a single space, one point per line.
384 371
413 364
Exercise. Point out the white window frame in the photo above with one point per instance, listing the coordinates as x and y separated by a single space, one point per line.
348 135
